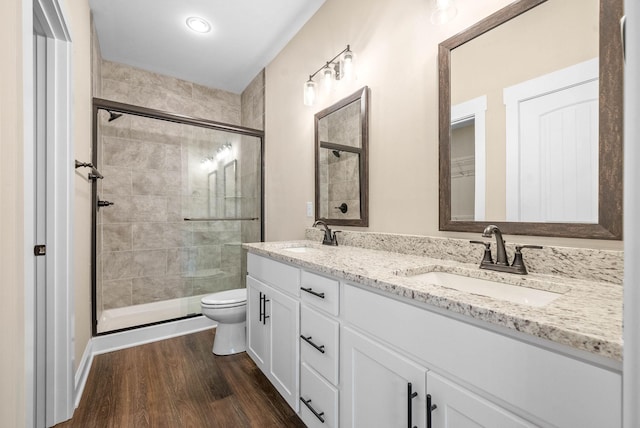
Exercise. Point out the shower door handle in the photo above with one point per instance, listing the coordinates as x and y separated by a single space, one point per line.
104 203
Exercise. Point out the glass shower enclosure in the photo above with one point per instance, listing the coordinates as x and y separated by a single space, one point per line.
177 199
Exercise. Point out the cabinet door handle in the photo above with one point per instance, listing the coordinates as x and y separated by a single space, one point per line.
264 310
320 348
310 291
260 314
314 411
410 396
430 408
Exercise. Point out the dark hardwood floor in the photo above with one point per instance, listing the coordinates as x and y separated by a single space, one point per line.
179 383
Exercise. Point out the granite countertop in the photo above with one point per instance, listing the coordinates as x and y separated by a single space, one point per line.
587 315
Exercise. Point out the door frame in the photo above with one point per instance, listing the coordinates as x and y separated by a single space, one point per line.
59 385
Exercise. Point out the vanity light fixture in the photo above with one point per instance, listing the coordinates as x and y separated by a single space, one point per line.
199 25
340 67
443 11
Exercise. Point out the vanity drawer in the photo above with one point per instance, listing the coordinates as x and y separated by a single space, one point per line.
320 292
322 332
276 274
323 396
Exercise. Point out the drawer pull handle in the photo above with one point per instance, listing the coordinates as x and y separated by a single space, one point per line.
410 396
315 293
430 408
308 340
308 404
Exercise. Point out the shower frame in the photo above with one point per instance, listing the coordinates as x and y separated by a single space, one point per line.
117 107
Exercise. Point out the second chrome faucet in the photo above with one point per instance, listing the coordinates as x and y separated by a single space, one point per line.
502 263
329 236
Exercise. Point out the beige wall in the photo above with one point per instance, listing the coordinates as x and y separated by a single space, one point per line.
12 247
396 56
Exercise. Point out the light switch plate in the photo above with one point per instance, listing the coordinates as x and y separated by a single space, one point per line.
309 209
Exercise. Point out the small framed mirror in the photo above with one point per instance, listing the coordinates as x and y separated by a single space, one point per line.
531 121
341 142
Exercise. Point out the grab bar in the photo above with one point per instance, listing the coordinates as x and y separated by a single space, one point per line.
221 218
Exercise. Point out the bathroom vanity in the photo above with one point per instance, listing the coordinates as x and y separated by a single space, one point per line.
354 337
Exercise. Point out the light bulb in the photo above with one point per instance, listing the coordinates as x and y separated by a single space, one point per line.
443 11
309 92
346 71
328 76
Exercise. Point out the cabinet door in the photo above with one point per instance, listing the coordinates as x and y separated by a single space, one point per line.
378 385
283 321
458 407
257 330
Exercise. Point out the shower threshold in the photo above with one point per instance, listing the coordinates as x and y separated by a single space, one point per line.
148 313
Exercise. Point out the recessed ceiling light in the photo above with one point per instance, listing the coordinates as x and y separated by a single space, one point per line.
198 25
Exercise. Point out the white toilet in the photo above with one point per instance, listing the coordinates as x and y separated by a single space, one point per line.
229 309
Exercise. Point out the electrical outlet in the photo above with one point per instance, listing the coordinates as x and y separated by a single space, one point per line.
309 209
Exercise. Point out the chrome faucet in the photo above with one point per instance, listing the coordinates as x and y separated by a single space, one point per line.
501 253
502 264
329 236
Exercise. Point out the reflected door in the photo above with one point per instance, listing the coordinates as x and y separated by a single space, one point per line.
552 172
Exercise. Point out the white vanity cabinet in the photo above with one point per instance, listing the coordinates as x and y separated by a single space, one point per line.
458 407
319 350
381 388
273 324
351 356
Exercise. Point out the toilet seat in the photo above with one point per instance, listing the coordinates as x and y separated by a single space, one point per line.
225 299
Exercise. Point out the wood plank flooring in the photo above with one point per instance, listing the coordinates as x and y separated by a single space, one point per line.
179 383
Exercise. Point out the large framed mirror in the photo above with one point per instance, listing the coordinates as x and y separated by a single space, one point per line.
341 148
530 121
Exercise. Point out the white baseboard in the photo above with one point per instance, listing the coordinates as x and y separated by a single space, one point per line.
82 373
127 339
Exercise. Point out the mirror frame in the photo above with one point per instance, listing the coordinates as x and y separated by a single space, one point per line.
610 119
363 96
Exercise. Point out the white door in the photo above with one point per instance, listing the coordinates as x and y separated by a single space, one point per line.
379 385
283 320
257 331
460 408
552 147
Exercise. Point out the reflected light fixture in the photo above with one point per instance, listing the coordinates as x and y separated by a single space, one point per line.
223 151
340 67
199 25
443 11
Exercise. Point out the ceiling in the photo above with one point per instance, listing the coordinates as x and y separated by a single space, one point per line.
246 35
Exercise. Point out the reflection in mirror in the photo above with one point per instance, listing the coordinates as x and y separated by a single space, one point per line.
212 193
230 192
339 184
341 162
530 136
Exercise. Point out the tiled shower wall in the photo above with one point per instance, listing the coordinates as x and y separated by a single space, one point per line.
154 174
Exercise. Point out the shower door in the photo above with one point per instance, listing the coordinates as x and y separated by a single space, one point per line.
185 197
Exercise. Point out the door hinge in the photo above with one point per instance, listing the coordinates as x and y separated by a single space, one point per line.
40 250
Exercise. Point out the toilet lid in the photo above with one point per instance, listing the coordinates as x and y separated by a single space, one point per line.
228 297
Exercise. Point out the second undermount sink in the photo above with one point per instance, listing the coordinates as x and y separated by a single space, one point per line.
498 290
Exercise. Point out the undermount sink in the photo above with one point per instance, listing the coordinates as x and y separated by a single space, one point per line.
498 290
299 249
